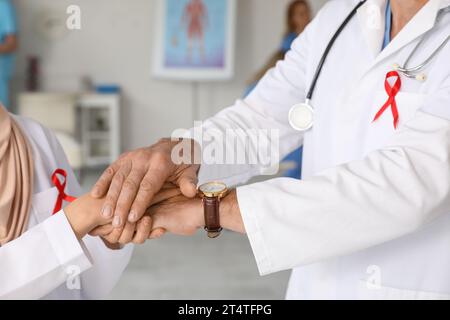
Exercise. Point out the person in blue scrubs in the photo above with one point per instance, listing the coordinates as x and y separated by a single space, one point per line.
298 17
388 26
8 45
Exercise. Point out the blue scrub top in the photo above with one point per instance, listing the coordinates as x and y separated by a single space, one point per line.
8 26
388 26
287 41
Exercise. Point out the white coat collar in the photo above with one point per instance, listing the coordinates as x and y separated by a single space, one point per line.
371 17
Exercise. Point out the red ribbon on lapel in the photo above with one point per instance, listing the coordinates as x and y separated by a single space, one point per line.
392 93
62 196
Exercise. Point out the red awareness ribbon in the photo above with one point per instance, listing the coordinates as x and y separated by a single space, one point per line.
62 196
392 93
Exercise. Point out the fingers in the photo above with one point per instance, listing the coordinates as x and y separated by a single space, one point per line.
103 183
114 236
157 233
143 230
110 240
127 234
102 231
149 187
115 188
188 181
126 197
137 233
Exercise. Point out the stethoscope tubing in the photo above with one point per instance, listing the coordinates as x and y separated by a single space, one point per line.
426 62
412 72
328 49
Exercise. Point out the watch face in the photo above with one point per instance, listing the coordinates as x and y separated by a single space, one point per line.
213 188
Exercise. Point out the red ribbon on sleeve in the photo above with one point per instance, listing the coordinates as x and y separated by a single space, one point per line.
62 196
392 92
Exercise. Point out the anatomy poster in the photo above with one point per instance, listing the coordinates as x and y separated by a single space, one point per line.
196 39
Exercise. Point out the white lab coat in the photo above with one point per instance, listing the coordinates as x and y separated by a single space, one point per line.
371 218
48 262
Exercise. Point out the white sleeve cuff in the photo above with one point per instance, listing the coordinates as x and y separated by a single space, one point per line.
253 230
66 247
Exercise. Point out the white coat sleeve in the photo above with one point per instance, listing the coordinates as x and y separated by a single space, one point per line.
41 260
392 192
266 109
107 265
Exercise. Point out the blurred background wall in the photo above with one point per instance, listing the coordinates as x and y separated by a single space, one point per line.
115 46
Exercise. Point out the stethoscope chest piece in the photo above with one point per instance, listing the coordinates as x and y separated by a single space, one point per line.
301 117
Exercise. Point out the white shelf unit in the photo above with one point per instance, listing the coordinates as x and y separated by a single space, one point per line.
100 128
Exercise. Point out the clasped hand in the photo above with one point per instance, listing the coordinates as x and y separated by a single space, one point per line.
145 194
170 212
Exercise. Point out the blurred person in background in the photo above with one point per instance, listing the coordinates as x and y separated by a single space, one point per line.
298 16
8 45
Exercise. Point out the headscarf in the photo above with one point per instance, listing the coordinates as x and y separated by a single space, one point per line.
16 179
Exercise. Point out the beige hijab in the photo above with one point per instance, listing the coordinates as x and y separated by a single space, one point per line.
16 179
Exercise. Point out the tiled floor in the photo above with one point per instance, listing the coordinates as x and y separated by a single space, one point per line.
196 268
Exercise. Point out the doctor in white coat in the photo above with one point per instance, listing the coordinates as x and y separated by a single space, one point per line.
46 253
371 217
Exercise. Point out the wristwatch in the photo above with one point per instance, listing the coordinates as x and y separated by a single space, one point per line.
211 193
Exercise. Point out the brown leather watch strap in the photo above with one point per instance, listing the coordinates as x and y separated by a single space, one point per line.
212 216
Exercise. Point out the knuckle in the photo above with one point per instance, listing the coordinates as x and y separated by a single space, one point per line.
110 171
139 240
120 176
130 184
147 185
140 157
112 238
160 158
146 222
124 155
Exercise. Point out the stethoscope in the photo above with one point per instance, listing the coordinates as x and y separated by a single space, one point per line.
301 116
414 73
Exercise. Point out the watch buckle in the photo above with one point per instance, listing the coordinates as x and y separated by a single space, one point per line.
212 234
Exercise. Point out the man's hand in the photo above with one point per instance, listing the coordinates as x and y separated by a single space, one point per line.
137 232
179 215
131 183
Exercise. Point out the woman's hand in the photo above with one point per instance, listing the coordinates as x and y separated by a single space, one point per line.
83 215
